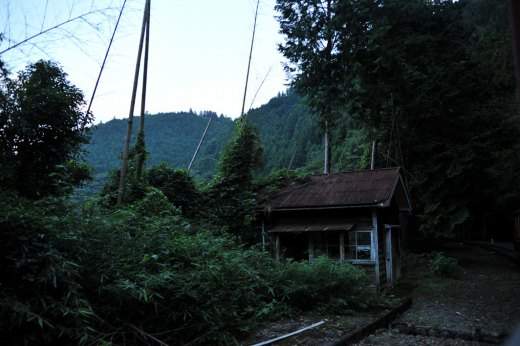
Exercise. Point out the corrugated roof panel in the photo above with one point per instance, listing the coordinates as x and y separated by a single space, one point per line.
338 189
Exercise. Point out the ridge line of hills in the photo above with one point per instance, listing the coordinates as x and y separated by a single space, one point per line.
289 134
283 123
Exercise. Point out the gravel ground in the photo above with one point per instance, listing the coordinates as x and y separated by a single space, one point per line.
334 328
384 337
484 300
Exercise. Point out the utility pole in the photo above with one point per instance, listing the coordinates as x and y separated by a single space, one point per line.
141 155
124 161
328 149
242 115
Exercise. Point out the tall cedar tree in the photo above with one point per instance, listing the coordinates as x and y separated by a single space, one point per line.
453 105
313 47
42 130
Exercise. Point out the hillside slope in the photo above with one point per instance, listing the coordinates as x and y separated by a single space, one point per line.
170 137
289 133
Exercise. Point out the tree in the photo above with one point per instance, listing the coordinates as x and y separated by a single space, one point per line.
423 68
312 46
177 185
230 195
42 130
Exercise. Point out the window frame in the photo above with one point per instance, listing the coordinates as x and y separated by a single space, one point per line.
348 246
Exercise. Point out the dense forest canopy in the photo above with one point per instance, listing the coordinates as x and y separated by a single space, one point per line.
173 139
432 81
288 131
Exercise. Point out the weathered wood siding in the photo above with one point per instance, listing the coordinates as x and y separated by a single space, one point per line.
370 270
381 258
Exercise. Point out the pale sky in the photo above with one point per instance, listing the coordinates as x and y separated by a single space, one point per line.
198 51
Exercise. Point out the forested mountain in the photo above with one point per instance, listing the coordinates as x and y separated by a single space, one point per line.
285 127
170 137
289 133
292 138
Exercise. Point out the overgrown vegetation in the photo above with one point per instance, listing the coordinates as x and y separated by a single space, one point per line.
169 264
230 194
444 266
79 272
42 130
432 82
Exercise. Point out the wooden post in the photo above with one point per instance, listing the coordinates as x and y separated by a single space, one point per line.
124 161
342 247
373 158
277 247
375 246
263 235
328 151
311 247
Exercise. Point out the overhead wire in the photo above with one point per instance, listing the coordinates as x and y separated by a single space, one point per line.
106 56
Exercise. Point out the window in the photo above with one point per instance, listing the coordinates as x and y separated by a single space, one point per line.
359 245
327 243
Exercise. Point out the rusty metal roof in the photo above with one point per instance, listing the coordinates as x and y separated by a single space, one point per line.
344 189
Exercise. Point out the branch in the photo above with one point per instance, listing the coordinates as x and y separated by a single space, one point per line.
146 335
82 16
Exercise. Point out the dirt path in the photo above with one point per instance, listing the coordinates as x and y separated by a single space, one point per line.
483 304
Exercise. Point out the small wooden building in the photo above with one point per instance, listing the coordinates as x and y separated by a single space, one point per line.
358 217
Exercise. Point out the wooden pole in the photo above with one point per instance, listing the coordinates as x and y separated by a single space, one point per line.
242 115
140 156
124 161
373 158
328 150
198 146
342 247
263 236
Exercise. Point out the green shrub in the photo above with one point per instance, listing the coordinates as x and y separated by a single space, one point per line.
168 276
82 273
444 266
324 282
177 185
155 203
41 300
